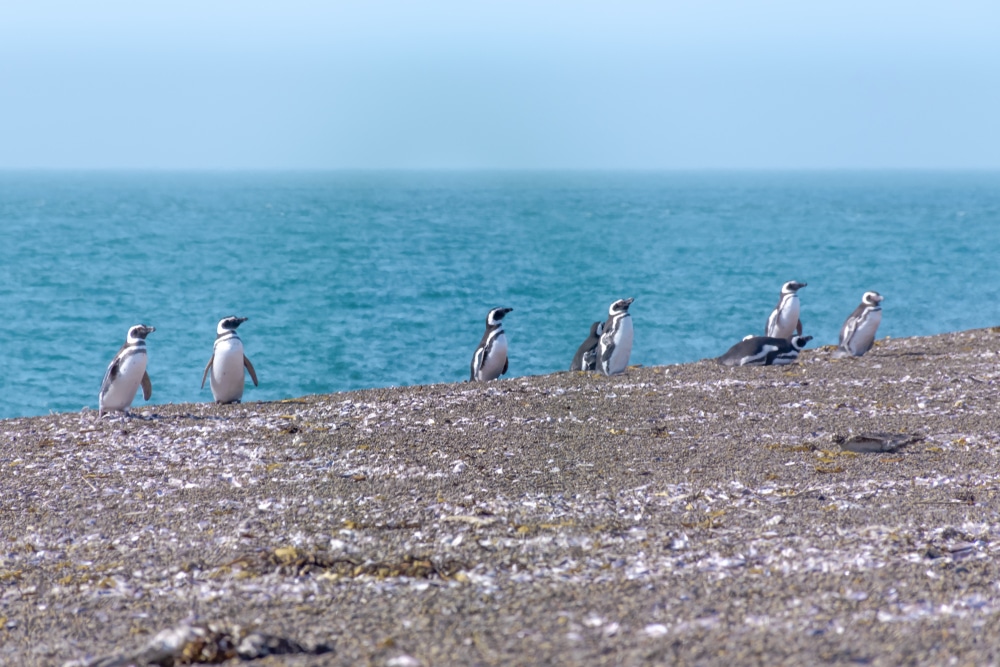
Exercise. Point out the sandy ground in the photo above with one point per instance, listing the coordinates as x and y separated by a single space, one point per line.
681 514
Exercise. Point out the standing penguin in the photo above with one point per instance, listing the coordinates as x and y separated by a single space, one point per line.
616 342
227 363
585 358
784 319
858 333
126 372
490 359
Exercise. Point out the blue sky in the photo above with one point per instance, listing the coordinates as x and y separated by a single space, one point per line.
299 84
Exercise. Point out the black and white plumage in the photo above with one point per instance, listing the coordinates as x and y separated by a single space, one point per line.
585 358
764 351
784 320
490 359
616 341
858 333
227 363
126 373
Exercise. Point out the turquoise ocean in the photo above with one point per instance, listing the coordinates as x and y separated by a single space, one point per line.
372 279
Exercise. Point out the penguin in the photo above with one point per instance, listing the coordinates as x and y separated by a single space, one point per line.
126 372
227 363
585 358
490 359
764 351
858 333
616 341
784 319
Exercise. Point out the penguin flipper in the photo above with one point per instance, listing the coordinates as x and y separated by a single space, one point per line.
798 328
504 371
477 362
847 333
772 321
147 386
208 366
249 367
109 376
604 356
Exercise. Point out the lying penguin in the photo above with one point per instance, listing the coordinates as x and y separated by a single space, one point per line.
764 351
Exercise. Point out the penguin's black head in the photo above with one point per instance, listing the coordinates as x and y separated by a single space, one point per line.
792 286
229 324
597 328
872 298
496 315
799 342
139 332
620 306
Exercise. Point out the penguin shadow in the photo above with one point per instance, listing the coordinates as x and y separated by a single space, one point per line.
122 419
912 354
600 374
197 418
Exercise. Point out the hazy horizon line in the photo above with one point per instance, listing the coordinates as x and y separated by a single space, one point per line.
495 169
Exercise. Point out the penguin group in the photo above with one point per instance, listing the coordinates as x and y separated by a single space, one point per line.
783 340
607 349
127 371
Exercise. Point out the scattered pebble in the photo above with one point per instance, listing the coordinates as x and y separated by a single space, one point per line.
681 515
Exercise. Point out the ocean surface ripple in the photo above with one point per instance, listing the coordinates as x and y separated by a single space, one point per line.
368 279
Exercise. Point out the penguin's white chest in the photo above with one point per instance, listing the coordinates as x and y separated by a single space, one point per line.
865 333
494 360
622 340
227 371
785 318
122 390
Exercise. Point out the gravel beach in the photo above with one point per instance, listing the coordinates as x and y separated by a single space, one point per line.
842 511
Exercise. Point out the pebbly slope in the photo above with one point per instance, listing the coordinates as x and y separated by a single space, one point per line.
691 513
